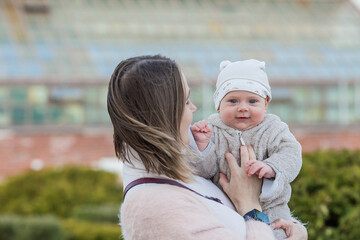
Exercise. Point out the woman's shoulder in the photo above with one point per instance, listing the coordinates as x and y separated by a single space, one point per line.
160 211
156 195
161 203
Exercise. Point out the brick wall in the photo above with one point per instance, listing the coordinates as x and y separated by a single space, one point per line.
24 152
336 140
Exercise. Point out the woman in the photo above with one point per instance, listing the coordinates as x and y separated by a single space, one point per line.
149 106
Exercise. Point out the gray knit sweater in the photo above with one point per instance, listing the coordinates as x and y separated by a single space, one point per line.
273 143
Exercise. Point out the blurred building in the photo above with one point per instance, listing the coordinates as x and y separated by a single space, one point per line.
57 56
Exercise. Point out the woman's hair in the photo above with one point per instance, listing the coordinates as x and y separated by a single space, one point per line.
146 100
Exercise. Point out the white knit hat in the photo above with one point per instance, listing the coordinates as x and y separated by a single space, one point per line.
248 75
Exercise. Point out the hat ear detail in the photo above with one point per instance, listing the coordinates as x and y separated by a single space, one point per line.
223 64
262 66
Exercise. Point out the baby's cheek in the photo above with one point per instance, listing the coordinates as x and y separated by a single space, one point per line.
257 117
226 117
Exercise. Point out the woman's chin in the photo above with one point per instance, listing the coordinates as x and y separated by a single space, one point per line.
186 139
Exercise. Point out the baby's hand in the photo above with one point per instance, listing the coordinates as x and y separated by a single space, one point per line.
202 133
259 168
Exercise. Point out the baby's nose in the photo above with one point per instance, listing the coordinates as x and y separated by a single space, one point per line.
242 107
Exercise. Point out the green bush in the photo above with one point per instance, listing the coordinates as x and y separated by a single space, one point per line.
97 213
30 228
14 227
326 194
82 230
58 191
8 227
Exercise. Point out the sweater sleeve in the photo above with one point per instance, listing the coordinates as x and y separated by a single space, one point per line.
169 212
205 163
284 156
208 166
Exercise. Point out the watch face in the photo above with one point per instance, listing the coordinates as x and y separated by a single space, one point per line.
257 215
262 216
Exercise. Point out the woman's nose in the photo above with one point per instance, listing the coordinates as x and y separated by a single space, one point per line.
193 107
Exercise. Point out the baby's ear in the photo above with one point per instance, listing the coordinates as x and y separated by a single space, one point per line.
267 100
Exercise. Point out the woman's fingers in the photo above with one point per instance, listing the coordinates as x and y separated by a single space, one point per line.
233 165
224 182
252 155
245 155
243 191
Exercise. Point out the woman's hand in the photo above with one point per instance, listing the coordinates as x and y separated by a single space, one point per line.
293 230
243 190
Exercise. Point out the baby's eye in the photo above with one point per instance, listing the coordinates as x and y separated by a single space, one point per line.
253 101
233 100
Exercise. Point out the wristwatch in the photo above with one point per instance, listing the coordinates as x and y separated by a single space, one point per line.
257 216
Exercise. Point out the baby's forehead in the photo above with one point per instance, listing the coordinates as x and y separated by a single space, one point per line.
241 93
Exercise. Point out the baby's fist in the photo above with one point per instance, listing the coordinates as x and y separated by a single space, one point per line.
202 133
259 168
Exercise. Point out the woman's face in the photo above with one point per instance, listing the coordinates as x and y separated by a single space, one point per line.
187 116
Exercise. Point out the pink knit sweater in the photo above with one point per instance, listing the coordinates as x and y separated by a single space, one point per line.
160 211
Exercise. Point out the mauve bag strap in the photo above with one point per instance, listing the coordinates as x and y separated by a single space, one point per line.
163 181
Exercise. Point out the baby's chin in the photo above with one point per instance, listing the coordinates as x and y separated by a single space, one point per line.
245 127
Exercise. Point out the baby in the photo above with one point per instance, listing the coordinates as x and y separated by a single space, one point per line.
241 99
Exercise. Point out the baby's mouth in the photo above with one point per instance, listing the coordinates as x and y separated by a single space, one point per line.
242 118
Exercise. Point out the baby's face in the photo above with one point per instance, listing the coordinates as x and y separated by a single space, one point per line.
242 110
